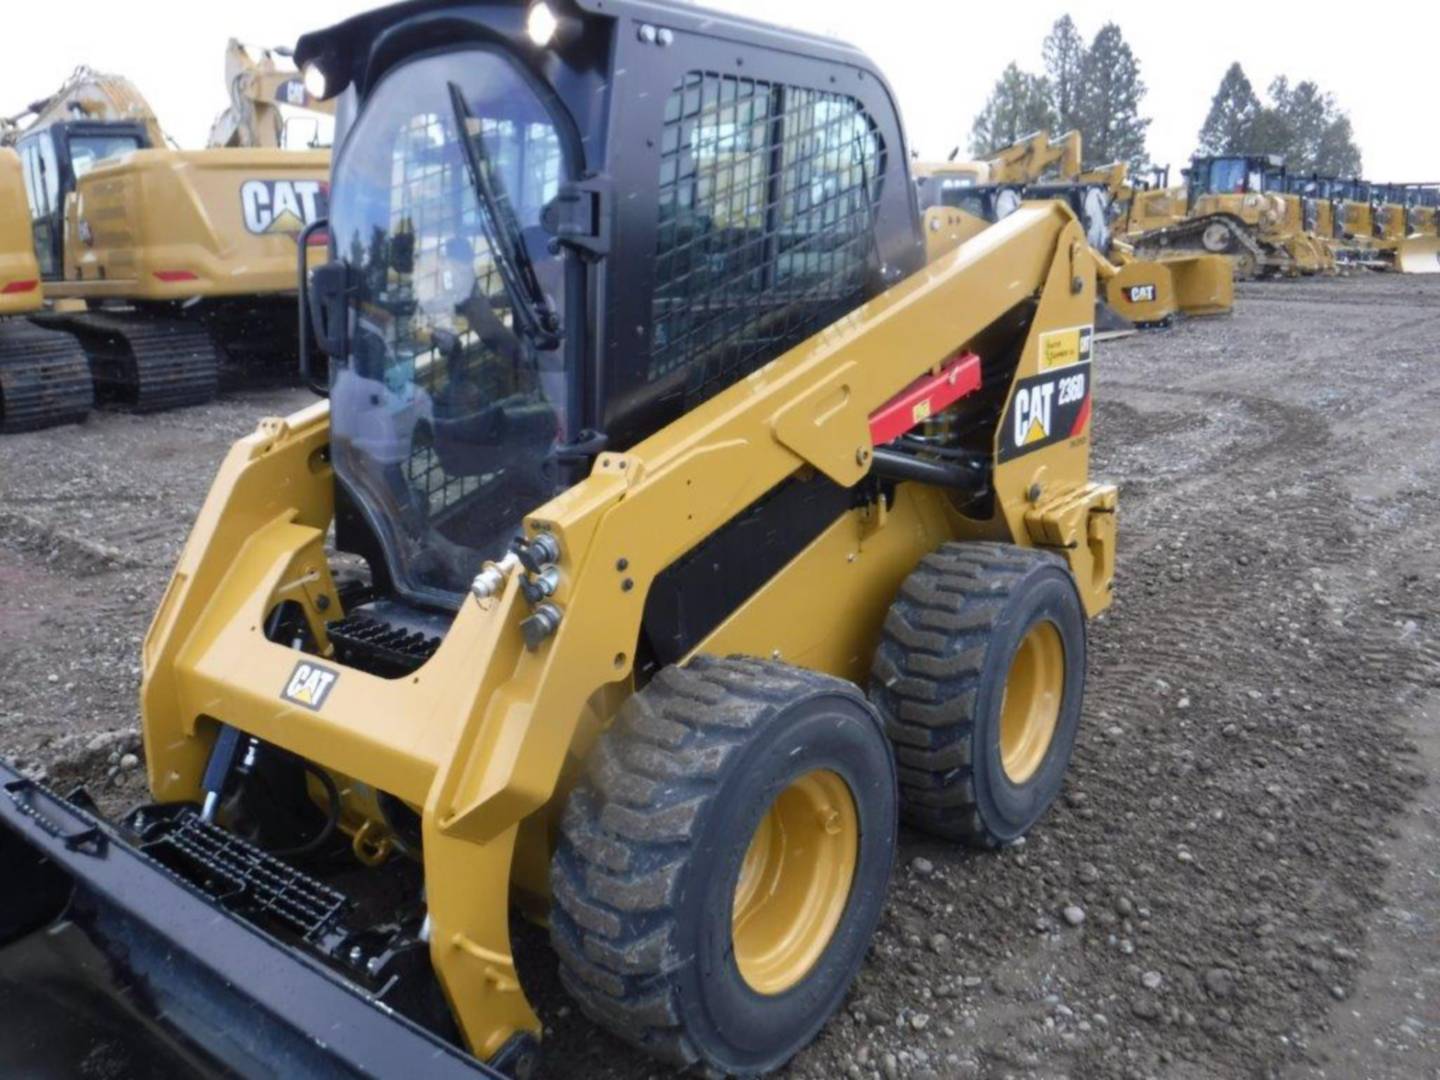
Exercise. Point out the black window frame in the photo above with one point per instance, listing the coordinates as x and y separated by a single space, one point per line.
59 136
632 405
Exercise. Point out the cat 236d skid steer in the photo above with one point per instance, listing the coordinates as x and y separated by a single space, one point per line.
699 511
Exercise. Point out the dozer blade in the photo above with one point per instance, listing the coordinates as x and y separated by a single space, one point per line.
1418 255
225 992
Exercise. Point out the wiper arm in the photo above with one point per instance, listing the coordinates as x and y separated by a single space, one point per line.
533 313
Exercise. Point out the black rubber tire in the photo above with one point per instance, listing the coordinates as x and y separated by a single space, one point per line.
652 842
939 681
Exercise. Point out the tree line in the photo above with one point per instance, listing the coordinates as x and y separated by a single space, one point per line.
1096 89
1301 122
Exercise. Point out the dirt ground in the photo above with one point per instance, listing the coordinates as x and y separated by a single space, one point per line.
1243 876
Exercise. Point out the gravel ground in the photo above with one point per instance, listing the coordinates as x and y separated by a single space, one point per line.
1241 878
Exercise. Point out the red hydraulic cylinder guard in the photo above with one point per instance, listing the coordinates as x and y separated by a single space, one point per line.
925 397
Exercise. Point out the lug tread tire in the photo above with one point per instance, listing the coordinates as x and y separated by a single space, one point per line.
626 834
927 673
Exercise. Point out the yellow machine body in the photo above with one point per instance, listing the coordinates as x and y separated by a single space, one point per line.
1154 208
1151 291
1145 292
20 287
485 739
171 224
1388 221
1277 221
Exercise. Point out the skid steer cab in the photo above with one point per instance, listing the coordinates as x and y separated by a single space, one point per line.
700 510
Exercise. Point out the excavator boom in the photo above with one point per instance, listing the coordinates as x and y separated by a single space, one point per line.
260 81
86 95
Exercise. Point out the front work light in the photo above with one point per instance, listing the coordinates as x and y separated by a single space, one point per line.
315 82
541 24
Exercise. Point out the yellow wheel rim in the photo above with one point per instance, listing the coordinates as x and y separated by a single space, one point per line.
1031 706
795 882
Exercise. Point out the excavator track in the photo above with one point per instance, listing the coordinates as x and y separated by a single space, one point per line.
144 362
1189 235
44 378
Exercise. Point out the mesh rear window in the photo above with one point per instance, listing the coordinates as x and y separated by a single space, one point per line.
766 201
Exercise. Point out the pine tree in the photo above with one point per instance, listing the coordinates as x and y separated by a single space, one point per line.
1308 114
1019 105
1337 154
1301 123
1233 112
1064 54
1109 108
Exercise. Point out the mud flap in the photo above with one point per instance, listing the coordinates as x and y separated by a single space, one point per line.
225 989
1418 255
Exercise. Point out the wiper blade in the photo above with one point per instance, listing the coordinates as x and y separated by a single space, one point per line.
533 313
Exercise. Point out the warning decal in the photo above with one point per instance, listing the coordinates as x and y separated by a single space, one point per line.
1064 348
1047 409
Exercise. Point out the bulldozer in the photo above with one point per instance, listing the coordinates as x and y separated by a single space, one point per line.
1138 292
161 262
1353 213
1405 227
263 84
1238 206
44 377
1317 211
699 512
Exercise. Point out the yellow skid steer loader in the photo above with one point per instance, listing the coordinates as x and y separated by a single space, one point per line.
714 515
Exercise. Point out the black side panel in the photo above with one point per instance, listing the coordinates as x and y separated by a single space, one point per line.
695 594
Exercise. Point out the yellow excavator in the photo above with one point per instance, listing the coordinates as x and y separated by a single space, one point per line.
685 539
263 84
44 377
161 261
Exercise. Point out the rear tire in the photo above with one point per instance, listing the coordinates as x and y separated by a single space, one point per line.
980 676
721 786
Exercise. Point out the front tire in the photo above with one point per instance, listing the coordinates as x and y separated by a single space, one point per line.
980 676
722 867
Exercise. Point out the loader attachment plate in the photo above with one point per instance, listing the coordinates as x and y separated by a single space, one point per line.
224 989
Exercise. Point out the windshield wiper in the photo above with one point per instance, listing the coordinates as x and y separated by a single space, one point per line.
533 314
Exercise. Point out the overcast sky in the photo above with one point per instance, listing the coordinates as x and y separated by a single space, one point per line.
942 56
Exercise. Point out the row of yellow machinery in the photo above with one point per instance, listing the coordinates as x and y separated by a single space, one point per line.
1136 289
688 504
1164 250
1250 209
148 266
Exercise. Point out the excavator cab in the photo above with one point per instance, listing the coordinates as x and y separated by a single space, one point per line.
54 158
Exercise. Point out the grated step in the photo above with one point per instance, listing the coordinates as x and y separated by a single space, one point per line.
245 879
